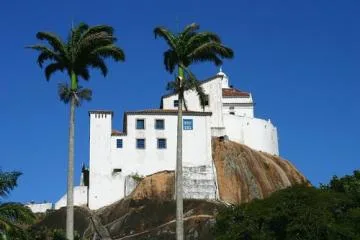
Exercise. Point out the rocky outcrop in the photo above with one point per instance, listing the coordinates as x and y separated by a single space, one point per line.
148 212
244 174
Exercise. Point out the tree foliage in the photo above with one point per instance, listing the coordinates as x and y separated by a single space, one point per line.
189 47
299 212
14 217
86 47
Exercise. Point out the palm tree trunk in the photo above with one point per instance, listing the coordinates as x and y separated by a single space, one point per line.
179 174
70 177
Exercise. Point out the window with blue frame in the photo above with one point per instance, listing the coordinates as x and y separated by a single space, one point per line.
140 143
161 143
188 124
140 123
160 124
119 143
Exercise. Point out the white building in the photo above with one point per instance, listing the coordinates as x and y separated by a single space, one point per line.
147 143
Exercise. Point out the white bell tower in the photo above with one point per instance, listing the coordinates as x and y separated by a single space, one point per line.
224 80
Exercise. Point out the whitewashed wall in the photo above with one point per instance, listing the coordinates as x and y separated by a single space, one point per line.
80 197
39 207
100 174
214 90
106 186
242 106
254 132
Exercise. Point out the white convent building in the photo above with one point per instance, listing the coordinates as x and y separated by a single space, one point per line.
147 143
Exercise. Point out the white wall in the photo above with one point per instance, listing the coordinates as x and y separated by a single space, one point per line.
254 132
80 197
106 186
100 172
213 89
39 207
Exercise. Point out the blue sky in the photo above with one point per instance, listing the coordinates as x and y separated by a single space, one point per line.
300 60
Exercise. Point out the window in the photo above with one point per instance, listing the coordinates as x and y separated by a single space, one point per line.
232 113
161 143
140 143
176 103
159 124
207 100
119 143
188 124
231 107
140 123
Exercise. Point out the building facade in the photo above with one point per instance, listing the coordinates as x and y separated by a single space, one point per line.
147 143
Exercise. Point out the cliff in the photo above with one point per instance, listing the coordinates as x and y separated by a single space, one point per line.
244 174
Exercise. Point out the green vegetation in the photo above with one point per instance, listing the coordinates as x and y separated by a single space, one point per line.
86 47
186 48
48 234
14 217
137 177
299 212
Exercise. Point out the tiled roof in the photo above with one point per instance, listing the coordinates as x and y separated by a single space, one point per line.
117 133
167 112
233 92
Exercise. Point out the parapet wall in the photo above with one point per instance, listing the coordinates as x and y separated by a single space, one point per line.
80 197
256 133
39 207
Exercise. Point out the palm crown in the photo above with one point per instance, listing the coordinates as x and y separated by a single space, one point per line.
186 48
12 215
86 47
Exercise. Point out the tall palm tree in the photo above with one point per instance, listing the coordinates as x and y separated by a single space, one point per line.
86 47
186 48
12 215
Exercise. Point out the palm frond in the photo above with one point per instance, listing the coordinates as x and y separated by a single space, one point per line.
66 93
83 73
84 94
168 36
52 68
54 40
78 31
170 60
97 29
97 62
16 213
8 181
192 83
204 57
189 29
90 43
213 47
201 38
110 51
45 54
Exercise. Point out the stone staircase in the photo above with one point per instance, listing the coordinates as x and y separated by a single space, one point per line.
199 182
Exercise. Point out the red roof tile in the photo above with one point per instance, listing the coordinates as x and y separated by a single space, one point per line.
233 92
117 133
168 112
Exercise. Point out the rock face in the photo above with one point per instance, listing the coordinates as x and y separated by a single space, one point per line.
148 212
244 174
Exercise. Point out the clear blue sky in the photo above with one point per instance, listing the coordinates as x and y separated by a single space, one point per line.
300 60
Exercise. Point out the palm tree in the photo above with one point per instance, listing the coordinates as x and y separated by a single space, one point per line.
186 48
86 47
12 215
